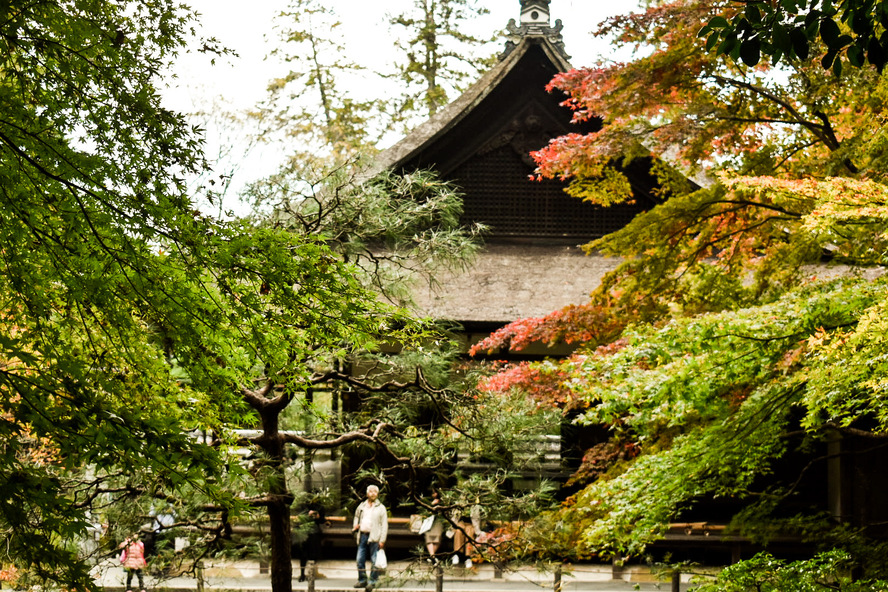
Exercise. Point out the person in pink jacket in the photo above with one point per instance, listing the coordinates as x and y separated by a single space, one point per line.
133 559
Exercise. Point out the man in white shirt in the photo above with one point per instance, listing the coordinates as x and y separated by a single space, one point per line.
371 528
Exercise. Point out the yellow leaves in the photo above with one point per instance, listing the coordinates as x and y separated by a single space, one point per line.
609 188
32 450
835 199
844 216
819 339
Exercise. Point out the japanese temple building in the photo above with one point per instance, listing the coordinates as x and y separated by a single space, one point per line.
532 263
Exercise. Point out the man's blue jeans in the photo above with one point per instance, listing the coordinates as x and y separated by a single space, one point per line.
367 552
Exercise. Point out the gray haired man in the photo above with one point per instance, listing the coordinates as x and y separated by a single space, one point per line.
371 528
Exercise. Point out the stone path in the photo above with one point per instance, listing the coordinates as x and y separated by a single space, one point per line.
340 576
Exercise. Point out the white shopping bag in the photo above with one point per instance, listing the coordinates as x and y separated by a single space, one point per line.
381 562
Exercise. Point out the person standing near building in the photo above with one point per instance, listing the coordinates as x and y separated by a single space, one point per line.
432 536
133 559
371 529
307 538
463 535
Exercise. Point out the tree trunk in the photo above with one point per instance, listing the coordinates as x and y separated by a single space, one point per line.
279 500
281 554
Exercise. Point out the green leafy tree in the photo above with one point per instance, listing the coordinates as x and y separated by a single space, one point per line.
826 571
390 228
441 57
797 30
130 319
709 354
708 403
308 105
397 228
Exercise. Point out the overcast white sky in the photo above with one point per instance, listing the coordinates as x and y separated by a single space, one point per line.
246 28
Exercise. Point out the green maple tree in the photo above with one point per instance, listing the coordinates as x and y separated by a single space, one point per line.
796 30
131 320
711 353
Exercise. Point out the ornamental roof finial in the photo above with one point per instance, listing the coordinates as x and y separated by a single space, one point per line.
535 12
534 23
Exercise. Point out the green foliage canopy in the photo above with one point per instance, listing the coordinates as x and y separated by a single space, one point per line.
308 104
831 570
438 52
708 402
112 280
798 30
711 354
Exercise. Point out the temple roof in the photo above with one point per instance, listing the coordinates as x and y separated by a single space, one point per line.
426 134
510 282
532 264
